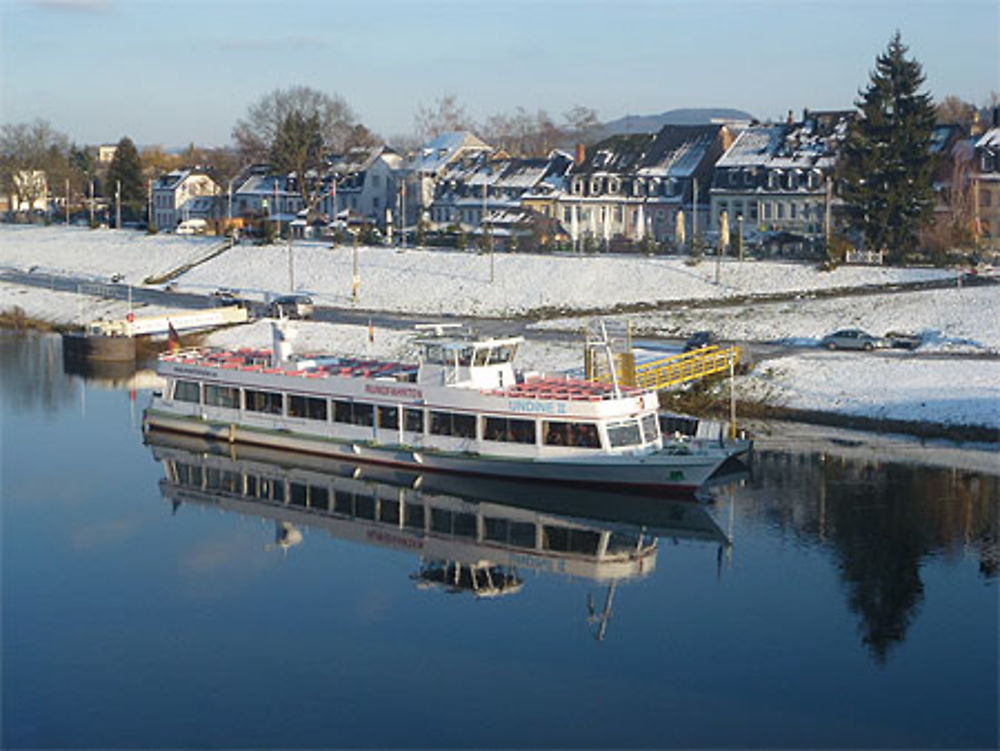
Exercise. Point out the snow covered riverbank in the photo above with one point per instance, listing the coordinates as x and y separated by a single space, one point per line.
954 390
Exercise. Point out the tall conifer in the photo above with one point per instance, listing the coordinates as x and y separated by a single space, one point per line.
887 163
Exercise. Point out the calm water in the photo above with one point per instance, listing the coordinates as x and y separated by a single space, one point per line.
170 595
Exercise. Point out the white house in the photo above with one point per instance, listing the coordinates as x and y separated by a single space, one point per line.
182 195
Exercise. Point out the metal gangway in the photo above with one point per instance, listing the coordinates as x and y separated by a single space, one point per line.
610 357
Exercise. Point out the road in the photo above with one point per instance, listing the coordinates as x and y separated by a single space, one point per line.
753 350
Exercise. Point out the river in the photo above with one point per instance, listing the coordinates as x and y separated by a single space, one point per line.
167 593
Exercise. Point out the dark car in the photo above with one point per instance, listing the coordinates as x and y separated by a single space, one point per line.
698 340
852 339
904 340
291 306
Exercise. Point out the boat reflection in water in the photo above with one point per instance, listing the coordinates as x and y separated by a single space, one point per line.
471 536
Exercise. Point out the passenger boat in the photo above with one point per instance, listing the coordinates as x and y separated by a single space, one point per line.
461 408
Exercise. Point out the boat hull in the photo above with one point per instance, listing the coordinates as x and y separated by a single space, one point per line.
658 472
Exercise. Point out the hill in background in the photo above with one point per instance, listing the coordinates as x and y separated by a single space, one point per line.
685 116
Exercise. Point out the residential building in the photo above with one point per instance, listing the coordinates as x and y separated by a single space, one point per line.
772 181
106 152
986 185
259 194
628 187
184 194
422 170
366 185
483 188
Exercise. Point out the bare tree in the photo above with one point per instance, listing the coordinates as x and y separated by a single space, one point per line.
445 116
295 130
581 123
32 156
952 110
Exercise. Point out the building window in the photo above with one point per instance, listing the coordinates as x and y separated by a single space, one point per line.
985 197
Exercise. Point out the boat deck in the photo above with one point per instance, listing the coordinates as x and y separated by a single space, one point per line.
246 359
311 366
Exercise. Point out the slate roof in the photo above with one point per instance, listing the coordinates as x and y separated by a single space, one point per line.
814 142
675 151
439 152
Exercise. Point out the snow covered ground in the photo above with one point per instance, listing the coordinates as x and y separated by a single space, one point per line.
432 282
896 385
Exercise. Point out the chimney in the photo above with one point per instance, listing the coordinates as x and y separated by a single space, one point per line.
581 152
805 114
996 117
791 118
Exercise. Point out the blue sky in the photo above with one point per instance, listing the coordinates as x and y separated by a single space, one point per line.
171 72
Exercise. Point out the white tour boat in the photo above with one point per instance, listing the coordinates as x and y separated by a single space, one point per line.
461 408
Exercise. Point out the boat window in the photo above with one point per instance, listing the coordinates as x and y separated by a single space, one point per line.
343 502
189 475
353 413
364 506
465 356
250 488
565 540
224 480
434 353
309 407
298 494
319 497
388 417
579 434
453 423
413 420
503 354
464 525
413 516
482 355
650 427
623 542
441 520
187 391
509 430
625 433
494 529
388 512
522 534
263 401
222 396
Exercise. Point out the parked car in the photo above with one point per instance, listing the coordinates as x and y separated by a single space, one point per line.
698 340
852 339
225 296
904 340
291 306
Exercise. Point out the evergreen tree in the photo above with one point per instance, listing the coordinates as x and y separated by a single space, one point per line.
887 164
127 167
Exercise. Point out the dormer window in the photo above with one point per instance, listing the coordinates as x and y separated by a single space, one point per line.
732 177
793 180
748 176
613 186
774 179
671 186
578 186
595 186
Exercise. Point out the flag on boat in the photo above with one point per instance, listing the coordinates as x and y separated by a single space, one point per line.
371 332
173 338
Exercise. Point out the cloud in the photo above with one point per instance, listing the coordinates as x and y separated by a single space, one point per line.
72 6
286 42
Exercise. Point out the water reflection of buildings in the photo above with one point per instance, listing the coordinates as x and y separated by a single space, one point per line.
881 520
470 536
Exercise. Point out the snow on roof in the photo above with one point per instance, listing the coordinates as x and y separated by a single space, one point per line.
989 140
440 151
814 142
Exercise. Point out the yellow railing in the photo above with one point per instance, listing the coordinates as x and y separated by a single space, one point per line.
669 371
